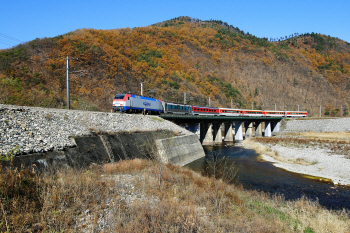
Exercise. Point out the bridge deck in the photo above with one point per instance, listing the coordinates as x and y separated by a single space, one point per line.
199 118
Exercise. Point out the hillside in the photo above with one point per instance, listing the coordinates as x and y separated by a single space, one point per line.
202 58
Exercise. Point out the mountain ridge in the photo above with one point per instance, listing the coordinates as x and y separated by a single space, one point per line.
201 58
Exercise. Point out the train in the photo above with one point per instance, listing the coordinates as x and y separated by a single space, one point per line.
129 103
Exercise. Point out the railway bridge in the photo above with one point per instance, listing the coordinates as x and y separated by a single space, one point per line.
210 126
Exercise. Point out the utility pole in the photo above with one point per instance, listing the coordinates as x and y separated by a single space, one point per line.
341 110
231 104
252 105
184 97
142 87
275 106
67 70
82 72
209 101
298 107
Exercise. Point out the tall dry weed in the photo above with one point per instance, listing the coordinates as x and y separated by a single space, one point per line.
126 197
20 199
125 166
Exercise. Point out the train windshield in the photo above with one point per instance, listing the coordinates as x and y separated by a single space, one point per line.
119 96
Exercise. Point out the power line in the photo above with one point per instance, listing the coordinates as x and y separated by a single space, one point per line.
10 38
6 43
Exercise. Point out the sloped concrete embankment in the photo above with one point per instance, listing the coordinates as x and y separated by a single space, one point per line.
47 137
317 125
179 150
162 145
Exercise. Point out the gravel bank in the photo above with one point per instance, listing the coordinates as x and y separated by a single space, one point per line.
25 130
323 164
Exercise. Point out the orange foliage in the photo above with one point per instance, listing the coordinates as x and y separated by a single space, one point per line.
201 58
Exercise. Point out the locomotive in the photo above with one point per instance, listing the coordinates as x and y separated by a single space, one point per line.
136 104
128 103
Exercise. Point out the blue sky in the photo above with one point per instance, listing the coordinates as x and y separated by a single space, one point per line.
25 20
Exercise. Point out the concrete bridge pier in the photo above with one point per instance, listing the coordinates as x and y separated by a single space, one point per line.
248 129
228 132
267 129
258 131
275 127
217 134
206 133
238 131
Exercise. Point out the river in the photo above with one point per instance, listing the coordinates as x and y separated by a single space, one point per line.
254 174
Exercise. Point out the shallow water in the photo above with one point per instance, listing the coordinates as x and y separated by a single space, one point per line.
263 176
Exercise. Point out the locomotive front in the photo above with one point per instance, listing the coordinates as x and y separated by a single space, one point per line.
119 102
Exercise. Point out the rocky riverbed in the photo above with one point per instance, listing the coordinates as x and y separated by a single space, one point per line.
314 162
322 157
25 130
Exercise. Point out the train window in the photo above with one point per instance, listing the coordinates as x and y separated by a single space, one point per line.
119 97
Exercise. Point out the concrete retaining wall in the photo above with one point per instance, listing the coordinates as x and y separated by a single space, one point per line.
317 125
179 150
100 149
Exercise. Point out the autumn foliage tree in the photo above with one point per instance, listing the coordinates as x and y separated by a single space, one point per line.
201 58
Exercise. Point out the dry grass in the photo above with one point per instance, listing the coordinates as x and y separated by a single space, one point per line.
251 143
334 142
315 118
128 197
331 135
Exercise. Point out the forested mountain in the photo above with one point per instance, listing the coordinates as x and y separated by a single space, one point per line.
201 58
